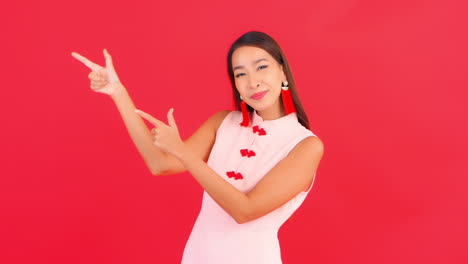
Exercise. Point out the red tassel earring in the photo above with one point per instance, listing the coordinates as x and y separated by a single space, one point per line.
287 99
245 114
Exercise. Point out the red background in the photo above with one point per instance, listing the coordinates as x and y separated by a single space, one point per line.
383 82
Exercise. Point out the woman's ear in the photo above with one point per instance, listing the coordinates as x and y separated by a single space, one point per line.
282 71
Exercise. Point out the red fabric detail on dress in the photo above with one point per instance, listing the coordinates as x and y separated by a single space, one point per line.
248 153
233 174
261 131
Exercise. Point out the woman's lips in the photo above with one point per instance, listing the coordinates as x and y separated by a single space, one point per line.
258 96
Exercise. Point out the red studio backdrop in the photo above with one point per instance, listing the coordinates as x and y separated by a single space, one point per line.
384 84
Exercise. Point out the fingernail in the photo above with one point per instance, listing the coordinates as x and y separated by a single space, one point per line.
137 111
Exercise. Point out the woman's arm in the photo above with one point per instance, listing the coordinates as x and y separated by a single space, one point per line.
159 162
287 179
199 143
156 160
105 80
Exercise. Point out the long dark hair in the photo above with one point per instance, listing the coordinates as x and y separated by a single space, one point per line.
267 43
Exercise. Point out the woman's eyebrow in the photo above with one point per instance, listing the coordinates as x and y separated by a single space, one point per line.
255 62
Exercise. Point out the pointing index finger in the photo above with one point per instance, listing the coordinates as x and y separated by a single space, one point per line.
149 118
93 66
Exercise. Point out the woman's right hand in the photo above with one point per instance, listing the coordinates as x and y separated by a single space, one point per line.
103 79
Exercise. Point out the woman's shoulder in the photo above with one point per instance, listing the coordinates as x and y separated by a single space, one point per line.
311 145
221 114
217 118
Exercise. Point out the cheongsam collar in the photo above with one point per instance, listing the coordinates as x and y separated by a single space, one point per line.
284 120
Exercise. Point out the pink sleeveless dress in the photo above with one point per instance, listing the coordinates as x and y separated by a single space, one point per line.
243 156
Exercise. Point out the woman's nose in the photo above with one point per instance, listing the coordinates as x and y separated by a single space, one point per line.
254 83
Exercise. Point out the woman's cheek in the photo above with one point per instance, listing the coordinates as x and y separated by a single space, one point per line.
239 85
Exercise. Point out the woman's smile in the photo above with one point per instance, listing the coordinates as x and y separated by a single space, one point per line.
259 95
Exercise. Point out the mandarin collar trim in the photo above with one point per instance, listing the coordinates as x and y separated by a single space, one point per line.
258 120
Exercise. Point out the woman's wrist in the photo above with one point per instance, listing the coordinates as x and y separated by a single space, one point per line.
119 91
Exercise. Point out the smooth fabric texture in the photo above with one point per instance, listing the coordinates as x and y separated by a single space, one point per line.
251 151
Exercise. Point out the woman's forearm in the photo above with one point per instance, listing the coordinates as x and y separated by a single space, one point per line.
154 158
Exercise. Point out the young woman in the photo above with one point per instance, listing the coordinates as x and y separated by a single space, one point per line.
256 165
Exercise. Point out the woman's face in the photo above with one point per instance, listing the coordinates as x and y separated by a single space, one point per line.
257 72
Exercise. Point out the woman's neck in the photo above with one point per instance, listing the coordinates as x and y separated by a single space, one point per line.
272 113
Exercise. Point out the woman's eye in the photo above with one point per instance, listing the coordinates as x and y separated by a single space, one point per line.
259 68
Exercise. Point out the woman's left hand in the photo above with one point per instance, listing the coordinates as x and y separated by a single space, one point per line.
165 137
